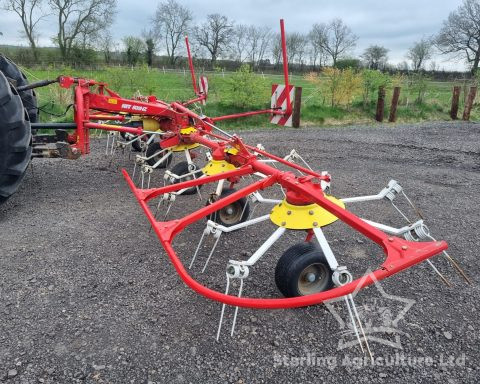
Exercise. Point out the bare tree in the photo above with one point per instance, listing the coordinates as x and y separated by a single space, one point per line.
30 13
134 46
214 35
239 41
339 39
460 33
420 52
171 23
258 39
318 37
276 46
106 45
375 57
80 21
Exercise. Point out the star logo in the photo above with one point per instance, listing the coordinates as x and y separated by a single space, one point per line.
380 315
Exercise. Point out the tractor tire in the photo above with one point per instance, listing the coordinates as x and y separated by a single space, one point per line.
152 149
303 270
15 139
29 98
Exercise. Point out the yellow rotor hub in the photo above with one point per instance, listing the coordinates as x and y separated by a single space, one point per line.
183 147
214 167
309 216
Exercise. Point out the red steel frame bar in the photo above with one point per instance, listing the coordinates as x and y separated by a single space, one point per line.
190 63
245 114
285 65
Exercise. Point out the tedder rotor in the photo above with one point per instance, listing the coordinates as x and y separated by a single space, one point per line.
299 198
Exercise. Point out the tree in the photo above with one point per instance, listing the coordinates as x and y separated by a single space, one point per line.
80 21
134 46
150 46
420 52
106 44
214 35
375 57
460 33
317 38
335 38
258 40
30 13
171 23
239 41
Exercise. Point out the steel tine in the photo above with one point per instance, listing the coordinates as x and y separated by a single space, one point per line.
170 203
354 324
196 251
455 264
444 279
211 253
236 309
457 267
223 310
361 327
417 210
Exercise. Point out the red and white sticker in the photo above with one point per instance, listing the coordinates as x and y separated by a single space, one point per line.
203 87
279 100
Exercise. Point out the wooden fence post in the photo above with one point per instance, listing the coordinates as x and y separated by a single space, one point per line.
380 104
296 107
469 104
393 108
455 101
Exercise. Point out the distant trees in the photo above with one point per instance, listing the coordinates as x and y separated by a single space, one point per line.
420 52
80 22
336 39
171 23
214 35
30 13
460 33
375 57
134 47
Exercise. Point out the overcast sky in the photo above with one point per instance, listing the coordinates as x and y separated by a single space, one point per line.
393 24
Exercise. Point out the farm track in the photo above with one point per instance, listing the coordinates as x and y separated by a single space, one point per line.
88 295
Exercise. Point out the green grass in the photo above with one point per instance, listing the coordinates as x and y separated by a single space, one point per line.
315 101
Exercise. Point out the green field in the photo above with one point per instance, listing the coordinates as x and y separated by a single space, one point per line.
225 92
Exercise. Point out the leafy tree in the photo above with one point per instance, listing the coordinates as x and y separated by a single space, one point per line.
134 46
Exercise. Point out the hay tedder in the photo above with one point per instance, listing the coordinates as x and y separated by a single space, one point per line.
241 177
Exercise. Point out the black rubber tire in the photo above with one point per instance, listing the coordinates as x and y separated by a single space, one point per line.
238 207
15 139
154 148
180 169
296 260
29 98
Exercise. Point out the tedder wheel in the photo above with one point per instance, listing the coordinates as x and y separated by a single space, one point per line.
29 99
15 139
181 169
154 148
234 213
303 270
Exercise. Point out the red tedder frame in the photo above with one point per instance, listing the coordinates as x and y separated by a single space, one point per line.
106 105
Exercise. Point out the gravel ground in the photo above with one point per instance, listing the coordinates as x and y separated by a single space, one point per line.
88 295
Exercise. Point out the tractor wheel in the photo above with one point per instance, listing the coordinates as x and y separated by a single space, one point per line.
29 98
15 139
303 270
153 148
181 169
234 213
